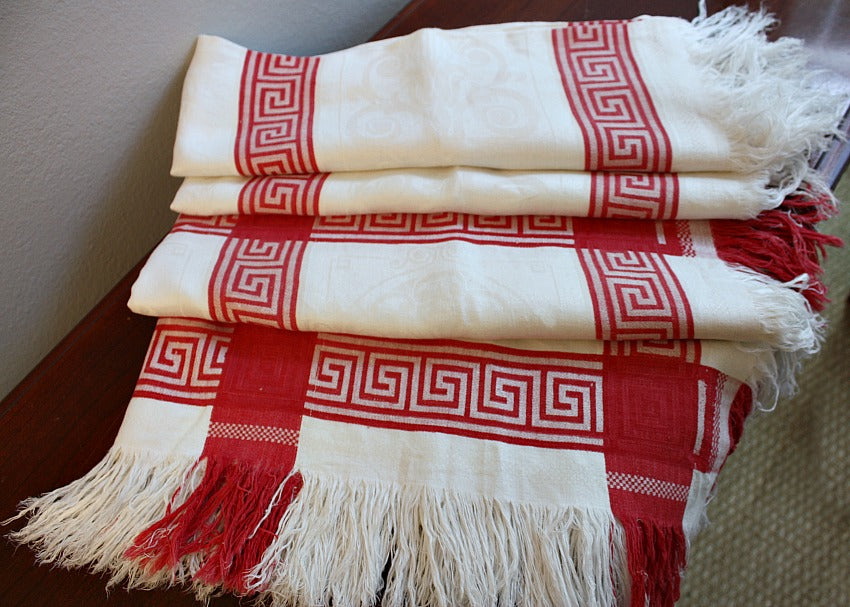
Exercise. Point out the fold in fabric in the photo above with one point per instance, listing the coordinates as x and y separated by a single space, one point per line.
481 380
484 192
653 94
320 468
470 277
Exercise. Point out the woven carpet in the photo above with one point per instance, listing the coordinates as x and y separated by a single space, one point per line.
780 523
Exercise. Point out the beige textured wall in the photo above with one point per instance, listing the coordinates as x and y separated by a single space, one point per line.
89 97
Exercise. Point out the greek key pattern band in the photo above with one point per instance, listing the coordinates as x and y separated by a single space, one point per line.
276 104
636 296
184 361
609 98
219 225
634 195
290 195
256 281
526 399
527 230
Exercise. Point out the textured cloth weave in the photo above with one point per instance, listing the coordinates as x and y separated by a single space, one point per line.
653 94
462 276
484 192
521 286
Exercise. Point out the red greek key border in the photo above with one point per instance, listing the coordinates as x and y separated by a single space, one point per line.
276 106
609 99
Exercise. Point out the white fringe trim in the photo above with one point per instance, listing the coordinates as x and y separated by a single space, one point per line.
338 539
785 317
766 96
775 374
811 185
92 521
439 549
778 365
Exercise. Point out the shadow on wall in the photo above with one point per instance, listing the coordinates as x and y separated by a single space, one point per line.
132 214
119 216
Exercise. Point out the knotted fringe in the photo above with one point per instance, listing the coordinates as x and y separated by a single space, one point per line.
348 542
656 558
766 96
222 528
150 520
782 243
739 412
774 375
92 521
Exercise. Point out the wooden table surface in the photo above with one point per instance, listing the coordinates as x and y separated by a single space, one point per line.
61 419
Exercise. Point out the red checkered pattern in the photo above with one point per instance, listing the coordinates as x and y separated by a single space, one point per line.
250 432
648 486
686 241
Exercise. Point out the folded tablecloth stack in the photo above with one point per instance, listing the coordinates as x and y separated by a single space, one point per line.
465 317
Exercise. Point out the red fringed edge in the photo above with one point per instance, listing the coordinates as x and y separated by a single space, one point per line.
739 411
656 557
228 521
782 243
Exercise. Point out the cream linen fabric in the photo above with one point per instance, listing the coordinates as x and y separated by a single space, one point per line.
487 96
386 455
462 290
485 192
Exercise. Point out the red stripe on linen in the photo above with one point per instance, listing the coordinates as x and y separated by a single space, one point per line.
230 519
275 124
184 362
609 99
408 228
290 195
634 195
614 235
542 399
636 295
656 412
257 414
